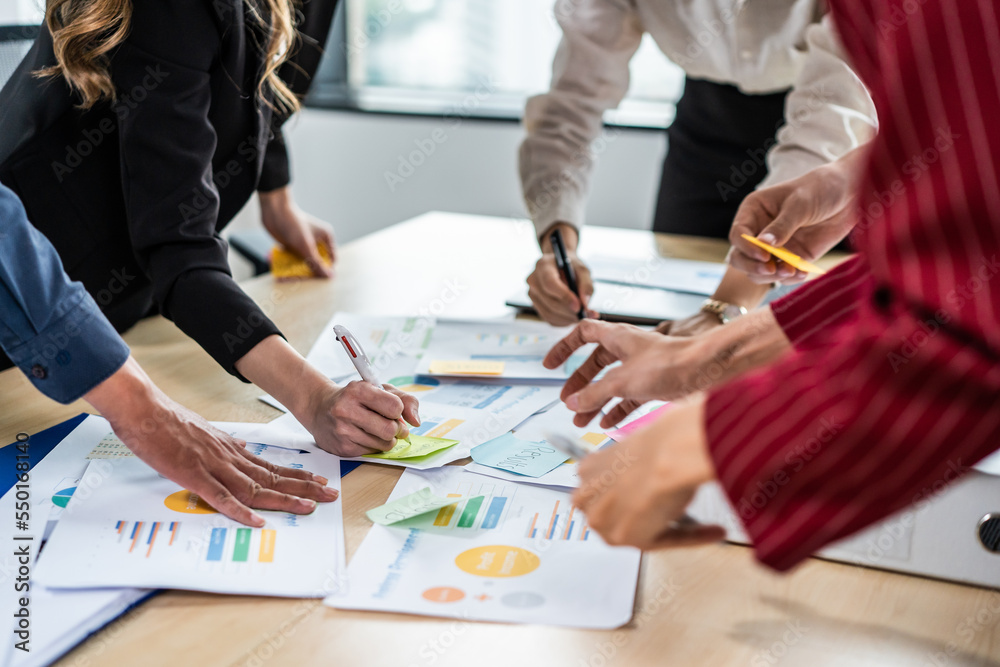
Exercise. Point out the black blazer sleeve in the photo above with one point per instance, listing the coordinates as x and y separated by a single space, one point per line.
166 149
314 21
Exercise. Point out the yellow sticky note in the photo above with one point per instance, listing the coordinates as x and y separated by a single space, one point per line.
469 367
416 445
785 256
286 265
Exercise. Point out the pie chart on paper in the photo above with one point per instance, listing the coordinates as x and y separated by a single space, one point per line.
410 385
61 498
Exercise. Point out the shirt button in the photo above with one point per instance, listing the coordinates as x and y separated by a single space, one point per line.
39 371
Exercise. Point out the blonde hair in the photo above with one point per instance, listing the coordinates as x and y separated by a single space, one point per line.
84 32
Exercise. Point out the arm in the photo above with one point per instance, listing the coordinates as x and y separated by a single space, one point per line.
58 337
166 145
589 76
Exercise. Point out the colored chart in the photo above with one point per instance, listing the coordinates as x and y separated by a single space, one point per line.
410 385
438 429
141 536
443 594
110 447
61 498
496 560
188 503
241 545
566 525
485 509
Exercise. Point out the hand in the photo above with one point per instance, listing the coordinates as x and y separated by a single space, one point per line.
653 368
657 367
296 230
552 298
693 325
807 215
635 493
359 419
188 450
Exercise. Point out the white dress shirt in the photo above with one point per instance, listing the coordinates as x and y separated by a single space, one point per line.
760 46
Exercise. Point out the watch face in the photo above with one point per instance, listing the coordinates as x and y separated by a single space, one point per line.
731 312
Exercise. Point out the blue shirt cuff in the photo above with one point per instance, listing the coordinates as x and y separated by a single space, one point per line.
73 354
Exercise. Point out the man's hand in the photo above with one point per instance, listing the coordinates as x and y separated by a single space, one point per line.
360 419
807 215
636 492
188 450
552 298
296 230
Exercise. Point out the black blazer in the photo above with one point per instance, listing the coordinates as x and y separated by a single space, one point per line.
133 193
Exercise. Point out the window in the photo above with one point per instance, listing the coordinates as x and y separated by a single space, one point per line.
475 57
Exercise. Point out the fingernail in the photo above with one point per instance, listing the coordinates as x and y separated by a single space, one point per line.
332 494
310 504
257 520
572 402
322 480
417 415
768 238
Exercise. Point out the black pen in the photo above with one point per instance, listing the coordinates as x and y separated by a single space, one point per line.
564 266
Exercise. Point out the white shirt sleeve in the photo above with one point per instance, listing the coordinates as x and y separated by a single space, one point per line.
589 76
827 113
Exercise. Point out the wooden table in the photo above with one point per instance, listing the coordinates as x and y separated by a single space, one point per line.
706 606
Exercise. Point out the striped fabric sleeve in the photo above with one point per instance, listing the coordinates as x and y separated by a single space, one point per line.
885 405
822 303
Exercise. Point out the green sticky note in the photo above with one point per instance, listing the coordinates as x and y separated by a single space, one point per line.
416 445
407 507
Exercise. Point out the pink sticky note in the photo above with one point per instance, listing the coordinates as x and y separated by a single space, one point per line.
620 434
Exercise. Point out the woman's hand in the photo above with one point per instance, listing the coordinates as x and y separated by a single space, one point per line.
296 230
188 450
552 298
807 215
636 492
359 419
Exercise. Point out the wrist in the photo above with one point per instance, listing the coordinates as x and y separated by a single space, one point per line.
274 201
571 237
128 396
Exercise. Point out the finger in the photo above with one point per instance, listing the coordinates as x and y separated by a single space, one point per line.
557 313
795 279
315 261
296 473
622 410
324 236
358 442
378 400
410 404
588 331
596 395
299 488
584 281
751 217
588 370
216 494
796 211
750 266
689 535
552 283
253 494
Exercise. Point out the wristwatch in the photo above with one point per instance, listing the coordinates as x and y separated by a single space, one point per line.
726 312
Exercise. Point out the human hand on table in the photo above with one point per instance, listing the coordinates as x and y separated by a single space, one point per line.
186 449
636 492
297 230
552 298
359 418
693 325
808 215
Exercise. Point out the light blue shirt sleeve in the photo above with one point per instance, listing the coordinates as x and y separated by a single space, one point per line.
50 327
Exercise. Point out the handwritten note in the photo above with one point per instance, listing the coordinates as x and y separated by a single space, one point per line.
416 445
408 507
524 457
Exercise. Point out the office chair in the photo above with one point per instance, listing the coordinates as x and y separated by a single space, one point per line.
15 40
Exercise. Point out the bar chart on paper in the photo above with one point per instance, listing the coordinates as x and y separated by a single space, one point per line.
501 552
139 529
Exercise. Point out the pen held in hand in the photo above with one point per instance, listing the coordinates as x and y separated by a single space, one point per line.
566 268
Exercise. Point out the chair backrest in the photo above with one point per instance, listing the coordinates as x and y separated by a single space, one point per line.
15 40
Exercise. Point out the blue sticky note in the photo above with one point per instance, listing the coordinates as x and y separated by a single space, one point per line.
523 457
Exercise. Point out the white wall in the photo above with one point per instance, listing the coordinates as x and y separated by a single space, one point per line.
340 161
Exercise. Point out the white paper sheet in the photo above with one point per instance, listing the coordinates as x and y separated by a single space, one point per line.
520 555
521 346
137 528
680 275
560 419
58 621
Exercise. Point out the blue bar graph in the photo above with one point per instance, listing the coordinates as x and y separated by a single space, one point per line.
424 428
493 512
216 543
552 530
493 398
152 531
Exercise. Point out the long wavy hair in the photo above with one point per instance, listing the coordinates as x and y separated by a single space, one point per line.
84 32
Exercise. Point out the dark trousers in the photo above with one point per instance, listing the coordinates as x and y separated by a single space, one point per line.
715 156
